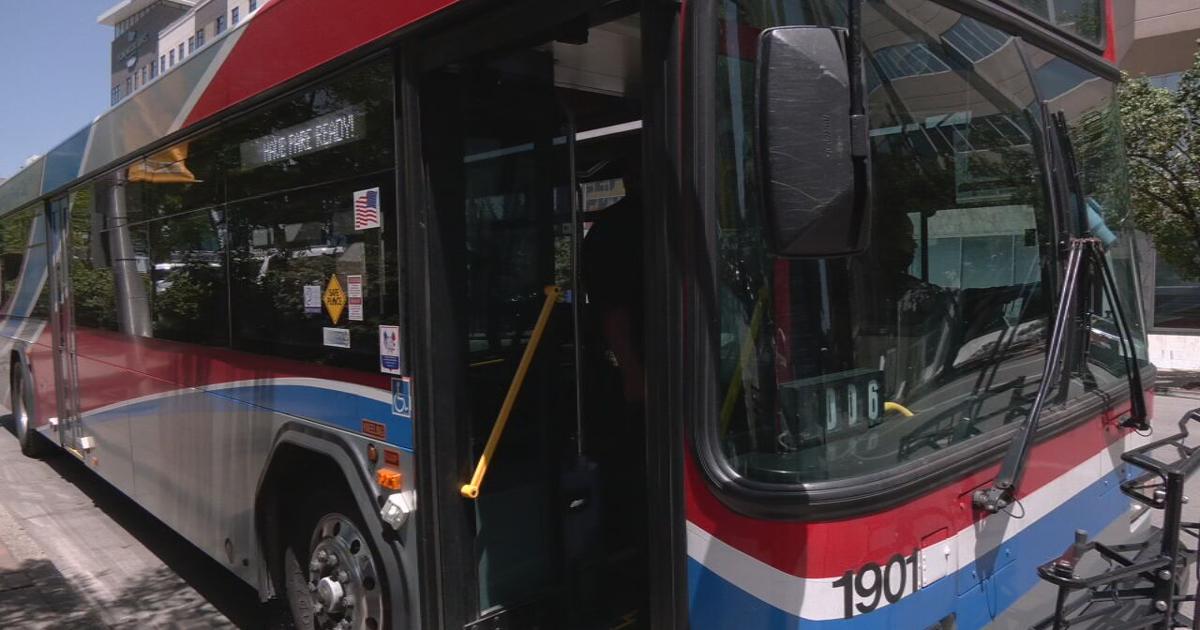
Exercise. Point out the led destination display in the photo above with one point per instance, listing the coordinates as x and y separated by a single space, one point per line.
325 132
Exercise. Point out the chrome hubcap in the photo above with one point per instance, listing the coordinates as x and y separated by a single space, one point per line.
342 578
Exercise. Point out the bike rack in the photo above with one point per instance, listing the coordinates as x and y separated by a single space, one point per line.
1142 585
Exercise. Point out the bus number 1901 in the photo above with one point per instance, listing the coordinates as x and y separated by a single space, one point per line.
865 589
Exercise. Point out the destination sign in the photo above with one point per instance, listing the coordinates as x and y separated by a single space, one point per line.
318 134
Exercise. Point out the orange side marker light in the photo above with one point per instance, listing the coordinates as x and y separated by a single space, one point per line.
390 479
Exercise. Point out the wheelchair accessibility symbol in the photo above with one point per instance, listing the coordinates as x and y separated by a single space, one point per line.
402 397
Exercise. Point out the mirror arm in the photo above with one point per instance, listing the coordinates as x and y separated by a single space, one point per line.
859 127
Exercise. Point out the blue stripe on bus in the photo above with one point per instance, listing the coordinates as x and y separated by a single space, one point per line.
716 603
64 160
332 407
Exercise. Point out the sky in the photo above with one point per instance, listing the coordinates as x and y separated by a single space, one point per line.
55 68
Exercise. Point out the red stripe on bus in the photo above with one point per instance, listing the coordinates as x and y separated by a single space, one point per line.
290 37
114 368
829 548
1110 32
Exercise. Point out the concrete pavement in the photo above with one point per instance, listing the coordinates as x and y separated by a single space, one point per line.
76 553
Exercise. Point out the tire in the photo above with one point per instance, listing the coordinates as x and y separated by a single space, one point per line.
33 443
332 574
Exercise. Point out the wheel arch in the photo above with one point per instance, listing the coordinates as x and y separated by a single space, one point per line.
303 453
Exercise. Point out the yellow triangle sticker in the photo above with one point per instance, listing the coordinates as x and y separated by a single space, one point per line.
334 298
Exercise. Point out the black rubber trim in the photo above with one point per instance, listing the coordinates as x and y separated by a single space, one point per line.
664 351
367 497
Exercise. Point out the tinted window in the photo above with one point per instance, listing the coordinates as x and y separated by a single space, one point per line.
92 288
187 270
23 264
339 129
290 247
945 316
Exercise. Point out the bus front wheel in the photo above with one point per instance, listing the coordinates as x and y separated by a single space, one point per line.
332 575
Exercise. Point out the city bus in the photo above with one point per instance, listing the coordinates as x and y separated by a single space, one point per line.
601 313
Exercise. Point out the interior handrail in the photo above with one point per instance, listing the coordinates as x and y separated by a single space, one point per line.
471 490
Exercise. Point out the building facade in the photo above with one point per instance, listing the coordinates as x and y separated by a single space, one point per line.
1158 39
136 25
153 36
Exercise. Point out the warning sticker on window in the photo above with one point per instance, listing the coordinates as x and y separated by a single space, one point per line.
389 349
334 298
355 295
336 337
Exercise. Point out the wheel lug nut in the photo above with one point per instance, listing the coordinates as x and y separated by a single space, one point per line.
322 554
315 565
342 576
332 560
347 602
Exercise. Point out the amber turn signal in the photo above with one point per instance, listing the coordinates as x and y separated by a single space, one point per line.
390 479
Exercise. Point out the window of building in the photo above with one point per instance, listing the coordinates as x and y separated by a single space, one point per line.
235 16
191 44
1176 298
145 76
220 24
181 51
172 57
153 68
128 86
1168 81
200 38
253 5
162 63
115 95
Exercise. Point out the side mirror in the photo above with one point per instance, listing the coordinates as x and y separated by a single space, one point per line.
813 151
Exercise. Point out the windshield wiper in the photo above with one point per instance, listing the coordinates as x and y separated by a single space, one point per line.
1086 251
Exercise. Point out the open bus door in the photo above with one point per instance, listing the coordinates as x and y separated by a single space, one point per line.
530 155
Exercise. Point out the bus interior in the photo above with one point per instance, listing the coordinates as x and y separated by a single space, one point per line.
533 160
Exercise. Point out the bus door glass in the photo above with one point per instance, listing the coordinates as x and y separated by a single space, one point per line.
527 152
59 238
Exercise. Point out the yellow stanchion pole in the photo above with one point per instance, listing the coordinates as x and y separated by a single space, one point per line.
471 490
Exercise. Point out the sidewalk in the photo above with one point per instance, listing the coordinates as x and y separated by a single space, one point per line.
33 593
76 553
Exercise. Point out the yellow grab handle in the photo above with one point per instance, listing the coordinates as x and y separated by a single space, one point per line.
471 490
897 407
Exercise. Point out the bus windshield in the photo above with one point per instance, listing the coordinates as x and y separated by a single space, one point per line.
839 367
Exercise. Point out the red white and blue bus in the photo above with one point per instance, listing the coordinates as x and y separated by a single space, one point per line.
601 313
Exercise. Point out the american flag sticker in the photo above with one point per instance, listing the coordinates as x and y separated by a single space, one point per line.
366 209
